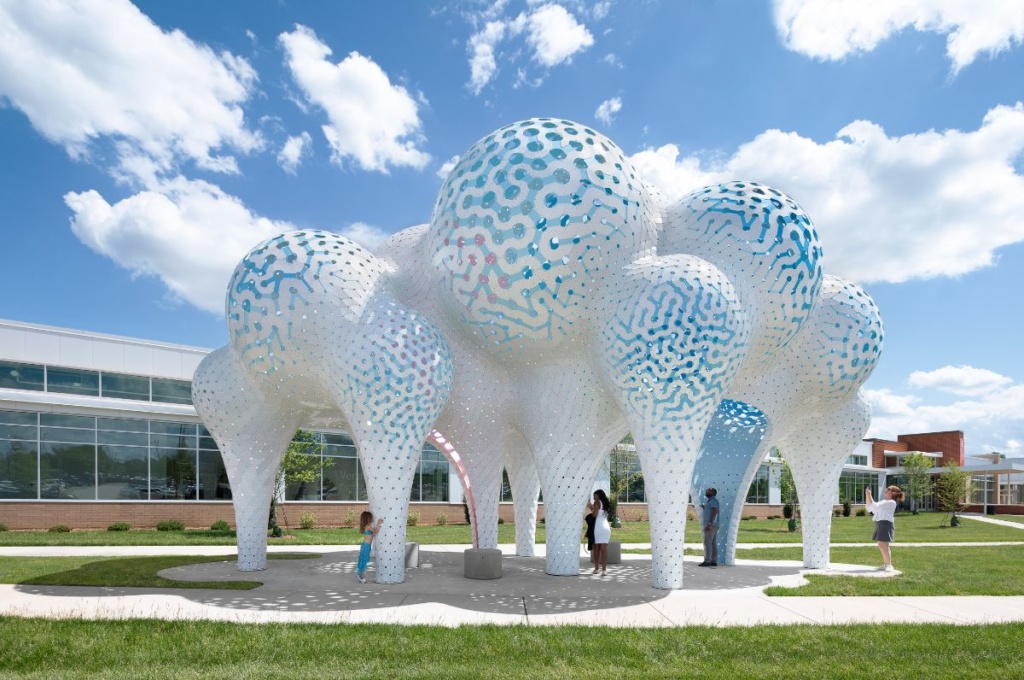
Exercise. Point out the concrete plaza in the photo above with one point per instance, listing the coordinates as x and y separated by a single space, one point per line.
323 589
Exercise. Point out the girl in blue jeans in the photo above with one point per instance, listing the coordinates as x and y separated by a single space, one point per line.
369 531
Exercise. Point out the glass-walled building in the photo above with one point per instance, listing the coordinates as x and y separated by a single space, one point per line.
89 420
92 421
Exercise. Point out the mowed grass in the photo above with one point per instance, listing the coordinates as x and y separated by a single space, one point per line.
923 528
1017 519
977 570
116 572
34 648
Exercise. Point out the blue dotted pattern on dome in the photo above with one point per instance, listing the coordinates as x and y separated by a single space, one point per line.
527 222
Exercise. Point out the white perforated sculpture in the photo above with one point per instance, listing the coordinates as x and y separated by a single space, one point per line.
553 304
317 336
815 340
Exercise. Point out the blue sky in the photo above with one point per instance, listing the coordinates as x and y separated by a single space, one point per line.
146 147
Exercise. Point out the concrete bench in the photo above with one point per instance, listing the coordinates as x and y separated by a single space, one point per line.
483 564
412 555
614 552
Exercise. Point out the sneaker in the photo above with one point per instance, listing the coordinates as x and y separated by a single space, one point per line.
703 564
887 567
884 567
360 578
712 564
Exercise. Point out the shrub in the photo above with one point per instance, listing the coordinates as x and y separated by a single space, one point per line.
276 532
691 515
350 518
787 511
170 525
3 527
441 519
59 529
836 512
641 516
847 508
308 520
749 517
861 512
501 521
465 509
413 518
120 526
220 525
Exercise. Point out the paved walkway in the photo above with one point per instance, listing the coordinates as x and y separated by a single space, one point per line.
993 520
323 589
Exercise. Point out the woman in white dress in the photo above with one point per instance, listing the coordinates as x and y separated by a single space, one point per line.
602 531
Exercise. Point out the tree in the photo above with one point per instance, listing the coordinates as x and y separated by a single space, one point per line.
917 477
951 489
302 464
787 488
620 475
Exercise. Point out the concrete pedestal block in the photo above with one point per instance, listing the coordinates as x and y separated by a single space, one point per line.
614 552
482 563
412 555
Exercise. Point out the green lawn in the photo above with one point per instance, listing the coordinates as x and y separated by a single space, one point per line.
923 528
1019 519
35 648
132 572
979 570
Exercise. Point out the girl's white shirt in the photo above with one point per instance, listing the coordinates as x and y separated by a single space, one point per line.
884 510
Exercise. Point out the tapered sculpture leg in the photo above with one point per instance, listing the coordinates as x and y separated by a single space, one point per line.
816 449
522 476
571 425
252 435
731 452
672 347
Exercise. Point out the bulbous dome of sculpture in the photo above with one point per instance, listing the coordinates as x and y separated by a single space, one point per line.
527 226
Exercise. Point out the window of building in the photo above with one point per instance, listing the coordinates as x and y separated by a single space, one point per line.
58 456
857 460
17 376
119 386
758 491
853 483
73 381
19 462
171 391
67 457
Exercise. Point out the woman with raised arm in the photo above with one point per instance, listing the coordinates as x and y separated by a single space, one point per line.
884 512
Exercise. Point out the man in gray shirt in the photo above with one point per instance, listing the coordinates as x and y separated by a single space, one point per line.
710 523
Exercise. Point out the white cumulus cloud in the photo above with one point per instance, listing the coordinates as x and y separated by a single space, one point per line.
991 421
482 61
448 166
555 35
833 29
189 234
551 33
372 122
607 110
962 380
84 71
936 203
293 150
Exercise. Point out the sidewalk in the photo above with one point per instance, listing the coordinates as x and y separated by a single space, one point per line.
324 590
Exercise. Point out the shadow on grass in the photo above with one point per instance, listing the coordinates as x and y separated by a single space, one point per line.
142 572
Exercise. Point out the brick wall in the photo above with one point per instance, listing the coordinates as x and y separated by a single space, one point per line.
950 444
100 515
880 446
